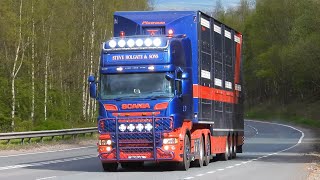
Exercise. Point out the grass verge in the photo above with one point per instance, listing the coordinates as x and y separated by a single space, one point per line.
302 113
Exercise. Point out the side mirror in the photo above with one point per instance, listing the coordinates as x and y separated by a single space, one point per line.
93 86
91 78
169 76
185 75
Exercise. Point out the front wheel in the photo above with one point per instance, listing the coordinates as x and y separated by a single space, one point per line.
185 164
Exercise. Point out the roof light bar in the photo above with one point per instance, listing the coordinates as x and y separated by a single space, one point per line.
136 43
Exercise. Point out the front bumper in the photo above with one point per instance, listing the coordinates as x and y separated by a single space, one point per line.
136 145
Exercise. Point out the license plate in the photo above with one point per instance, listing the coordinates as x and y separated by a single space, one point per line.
137 157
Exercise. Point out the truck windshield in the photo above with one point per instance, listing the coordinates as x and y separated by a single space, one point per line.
137 85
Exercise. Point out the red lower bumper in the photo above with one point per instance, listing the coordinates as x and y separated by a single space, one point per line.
137 154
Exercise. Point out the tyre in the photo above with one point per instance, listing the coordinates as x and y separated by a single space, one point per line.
225 156
207 152
199 162
234 148
111 167
185 164
230 142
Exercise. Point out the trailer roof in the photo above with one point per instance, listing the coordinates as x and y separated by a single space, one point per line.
155 16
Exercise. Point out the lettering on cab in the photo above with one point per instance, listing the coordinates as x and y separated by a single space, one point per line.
136 106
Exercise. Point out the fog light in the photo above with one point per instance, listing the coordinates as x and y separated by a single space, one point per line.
109 142
131 127
139 127
148 127
108 148
122 127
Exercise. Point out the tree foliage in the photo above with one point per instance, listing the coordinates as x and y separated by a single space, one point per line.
281 49
64 38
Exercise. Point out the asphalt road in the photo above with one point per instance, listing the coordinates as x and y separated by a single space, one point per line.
271 151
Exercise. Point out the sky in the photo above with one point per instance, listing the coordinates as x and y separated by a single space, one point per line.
203 5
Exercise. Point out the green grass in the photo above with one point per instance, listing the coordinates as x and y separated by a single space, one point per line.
302 113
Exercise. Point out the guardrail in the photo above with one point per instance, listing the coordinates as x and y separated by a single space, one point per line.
48 133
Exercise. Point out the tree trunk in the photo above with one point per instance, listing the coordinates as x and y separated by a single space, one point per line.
32 67
46 77
92 102
15 71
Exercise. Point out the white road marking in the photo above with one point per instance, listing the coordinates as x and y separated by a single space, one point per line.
189 178
210 172
61 150
229 167
302 134
47 178
199 175
220 169
45 163
257 132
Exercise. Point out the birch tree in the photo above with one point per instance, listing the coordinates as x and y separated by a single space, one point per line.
16 68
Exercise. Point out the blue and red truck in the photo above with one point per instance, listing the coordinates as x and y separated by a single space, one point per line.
169 90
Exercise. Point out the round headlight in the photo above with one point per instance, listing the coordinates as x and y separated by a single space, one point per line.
139 127
131 127
148 127
157 42
109 142
122 127
122 43
139 42
148 42
112 43
130 43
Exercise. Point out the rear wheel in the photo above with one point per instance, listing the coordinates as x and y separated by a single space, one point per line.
225 156
207 152
234 147
185 164
110 167
199 162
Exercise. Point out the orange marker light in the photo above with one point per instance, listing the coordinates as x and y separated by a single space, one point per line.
170 32
110 107
160 106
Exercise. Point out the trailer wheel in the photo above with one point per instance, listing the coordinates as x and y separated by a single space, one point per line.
230 140
199 162
185 164
225 156
234 147
110 167
207 152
